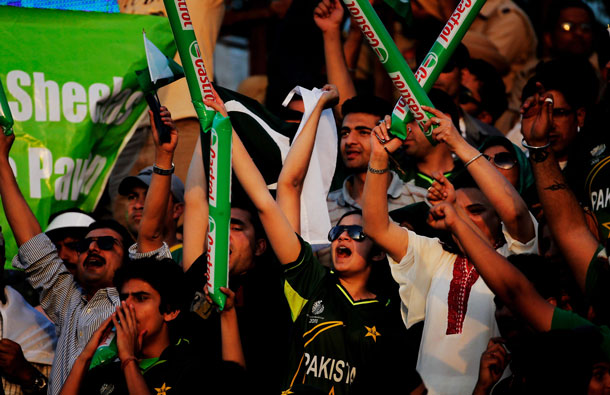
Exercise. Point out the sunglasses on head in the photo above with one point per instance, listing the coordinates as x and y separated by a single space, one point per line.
353 231
103 242
502 160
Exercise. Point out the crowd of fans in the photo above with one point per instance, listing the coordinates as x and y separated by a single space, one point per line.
474 262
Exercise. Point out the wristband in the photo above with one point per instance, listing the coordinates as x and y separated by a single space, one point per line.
378 171
532 147
126 361
473 159
163 172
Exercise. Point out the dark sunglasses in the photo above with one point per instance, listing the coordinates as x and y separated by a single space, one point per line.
465 96
354 231
502 160
103 242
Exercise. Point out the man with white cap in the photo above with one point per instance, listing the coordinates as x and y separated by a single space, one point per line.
66 228
135 189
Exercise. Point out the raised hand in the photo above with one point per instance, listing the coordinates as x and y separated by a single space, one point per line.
328 15
6 142
217 104
441 190
381 140
443 216
445 131
537 117
330 97
170 146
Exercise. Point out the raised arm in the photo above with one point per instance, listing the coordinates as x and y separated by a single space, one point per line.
504 279
284 241
18 214
231 342
505 199
328 16
150 235
561 209
196 210
292 176
377 225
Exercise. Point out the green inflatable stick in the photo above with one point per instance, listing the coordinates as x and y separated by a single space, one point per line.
401 75
6 118
219 182
435 61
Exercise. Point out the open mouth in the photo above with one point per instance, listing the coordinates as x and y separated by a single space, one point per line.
343 252
94 260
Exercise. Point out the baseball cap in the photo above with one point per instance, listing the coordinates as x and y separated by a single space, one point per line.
71 221
143 179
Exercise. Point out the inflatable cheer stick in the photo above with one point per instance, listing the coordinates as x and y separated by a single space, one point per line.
401 75
435 61
6 118
219 181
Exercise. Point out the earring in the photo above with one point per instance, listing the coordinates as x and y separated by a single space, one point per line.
578 129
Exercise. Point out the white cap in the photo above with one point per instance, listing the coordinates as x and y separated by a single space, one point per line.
70 220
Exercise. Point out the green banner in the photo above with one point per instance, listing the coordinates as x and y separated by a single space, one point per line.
70 81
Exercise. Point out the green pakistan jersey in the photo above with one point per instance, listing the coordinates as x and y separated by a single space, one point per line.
341 346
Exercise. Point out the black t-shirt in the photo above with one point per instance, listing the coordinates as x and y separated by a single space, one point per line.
342 346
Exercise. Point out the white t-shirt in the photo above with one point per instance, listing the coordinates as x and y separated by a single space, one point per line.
449 363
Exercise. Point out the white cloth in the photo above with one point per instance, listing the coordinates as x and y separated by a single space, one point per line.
315 222
28 327
448 364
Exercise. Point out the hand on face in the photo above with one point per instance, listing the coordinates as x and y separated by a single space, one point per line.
129 340
493 362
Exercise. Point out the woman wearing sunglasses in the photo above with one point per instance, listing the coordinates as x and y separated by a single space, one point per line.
512 163
347 334
438 286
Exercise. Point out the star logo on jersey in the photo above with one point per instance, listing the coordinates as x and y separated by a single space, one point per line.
372 332
163 390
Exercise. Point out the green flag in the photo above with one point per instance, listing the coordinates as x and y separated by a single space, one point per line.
70 82
402 8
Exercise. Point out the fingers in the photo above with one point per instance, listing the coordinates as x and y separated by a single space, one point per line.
435 112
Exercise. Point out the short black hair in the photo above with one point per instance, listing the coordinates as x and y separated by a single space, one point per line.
367 104
492 89
573 77
165 276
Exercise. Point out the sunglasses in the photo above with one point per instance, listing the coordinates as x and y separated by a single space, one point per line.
502 160
354 231
570 26
103 242
466 96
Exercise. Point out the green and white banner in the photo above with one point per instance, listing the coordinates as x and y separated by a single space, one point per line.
70 81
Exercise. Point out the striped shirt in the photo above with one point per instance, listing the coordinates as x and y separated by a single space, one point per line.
64 301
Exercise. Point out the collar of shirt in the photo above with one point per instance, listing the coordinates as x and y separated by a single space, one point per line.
394 191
